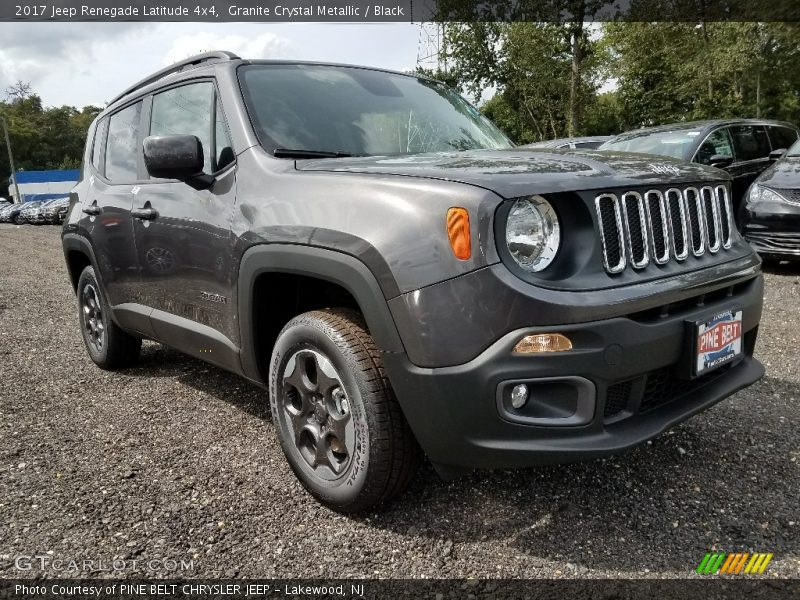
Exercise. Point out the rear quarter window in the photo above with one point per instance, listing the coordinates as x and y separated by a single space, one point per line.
97 144
782 138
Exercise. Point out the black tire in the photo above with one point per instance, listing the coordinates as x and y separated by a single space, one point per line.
108 345
379 454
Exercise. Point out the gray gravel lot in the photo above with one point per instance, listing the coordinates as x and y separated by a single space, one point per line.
177 459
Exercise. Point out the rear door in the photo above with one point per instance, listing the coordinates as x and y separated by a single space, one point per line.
106 209
184 243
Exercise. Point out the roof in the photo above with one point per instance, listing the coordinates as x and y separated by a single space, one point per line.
700 125
567 140
47 176
198 65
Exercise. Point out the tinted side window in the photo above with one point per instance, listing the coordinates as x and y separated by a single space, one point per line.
186 110
224 149
97 147
782 137
750 142
718 143
122 144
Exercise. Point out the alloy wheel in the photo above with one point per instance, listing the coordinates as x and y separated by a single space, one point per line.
317 411
92 315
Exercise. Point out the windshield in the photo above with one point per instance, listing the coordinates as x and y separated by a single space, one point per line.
794 150
360 112
664 143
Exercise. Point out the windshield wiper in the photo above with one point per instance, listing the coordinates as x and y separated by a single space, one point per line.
286 153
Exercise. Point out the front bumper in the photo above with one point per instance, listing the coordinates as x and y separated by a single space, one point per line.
628 368
773 229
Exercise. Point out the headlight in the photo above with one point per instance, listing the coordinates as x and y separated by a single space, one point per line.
760 194
532 233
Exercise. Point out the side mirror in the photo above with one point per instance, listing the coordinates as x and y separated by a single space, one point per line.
777 154
720 161
173 156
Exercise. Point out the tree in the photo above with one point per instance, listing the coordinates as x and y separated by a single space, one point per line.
543 72
18 91
681 71
43 137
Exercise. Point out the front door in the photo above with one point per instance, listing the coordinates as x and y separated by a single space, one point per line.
751 150
183 237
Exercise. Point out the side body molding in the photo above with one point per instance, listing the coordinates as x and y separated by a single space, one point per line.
329 265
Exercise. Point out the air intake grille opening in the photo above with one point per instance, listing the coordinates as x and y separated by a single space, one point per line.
694 211
610 219
657 215
725 214
663 225
712 218
677 214
617 398
636 229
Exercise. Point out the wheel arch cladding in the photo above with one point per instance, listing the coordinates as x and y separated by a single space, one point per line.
329 266
78 255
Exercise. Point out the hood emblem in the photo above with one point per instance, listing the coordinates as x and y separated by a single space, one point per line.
664 169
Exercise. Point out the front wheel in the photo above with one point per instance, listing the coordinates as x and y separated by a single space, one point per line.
335 414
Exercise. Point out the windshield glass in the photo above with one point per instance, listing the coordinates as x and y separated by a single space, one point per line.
360 112
794 150
665 143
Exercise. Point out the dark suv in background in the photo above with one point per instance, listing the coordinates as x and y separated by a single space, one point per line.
374 252
743 147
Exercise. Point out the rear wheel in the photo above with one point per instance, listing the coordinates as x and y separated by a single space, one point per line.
109 346
337 419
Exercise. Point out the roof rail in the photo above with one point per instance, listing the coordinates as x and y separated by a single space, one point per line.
192 61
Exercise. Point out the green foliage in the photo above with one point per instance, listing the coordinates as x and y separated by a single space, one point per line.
544 73
547 75
42 137
603 115
682 71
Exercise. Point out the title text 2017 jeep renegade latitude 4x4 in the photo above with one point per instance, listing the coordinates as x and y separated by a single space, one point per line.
373 251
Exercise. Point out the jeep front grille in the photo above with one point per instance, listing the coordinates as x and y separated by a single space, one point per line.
657 226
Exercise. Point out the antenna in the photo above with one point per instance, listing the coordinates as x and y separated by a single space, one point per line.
430 47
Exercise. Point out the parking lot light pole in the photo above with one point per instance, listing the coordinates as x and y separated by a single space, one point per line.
11 161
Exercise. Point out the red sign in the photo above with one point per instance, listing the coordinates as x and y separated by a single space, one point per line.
719 336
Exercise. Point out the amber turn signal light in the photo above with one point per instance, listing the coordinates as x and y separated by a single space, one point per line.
543 342
458 232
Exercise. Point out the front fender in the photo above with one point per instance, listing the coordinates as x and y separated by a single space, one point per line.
329 265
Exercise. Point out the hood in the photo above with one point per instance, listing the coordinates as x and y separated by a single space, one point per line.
523 171
784 174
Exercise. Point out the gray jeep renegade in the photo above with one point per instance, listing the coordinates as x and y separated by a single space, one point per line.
377 255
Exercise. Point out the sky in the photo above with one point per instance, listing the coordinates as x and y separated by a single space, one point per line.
79 64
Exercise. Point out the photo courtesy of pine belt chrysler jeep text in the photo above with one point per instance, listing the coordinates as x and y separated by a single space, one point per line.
400 278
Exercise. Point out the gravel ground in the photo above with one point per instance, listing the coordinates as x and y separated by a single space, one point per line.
177 459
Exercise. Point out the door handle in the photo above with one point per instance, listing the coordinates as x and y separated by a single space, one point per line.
145 213
92 210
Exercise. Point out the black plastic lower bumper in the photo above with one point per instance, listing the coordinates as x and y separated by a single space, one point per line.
774 231
630 368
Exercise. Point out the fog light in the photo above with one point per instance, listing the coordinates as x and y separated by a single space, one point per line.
519 395
543 342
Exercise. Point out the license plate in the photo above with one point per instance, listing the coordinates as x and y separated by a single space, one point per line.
719 341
